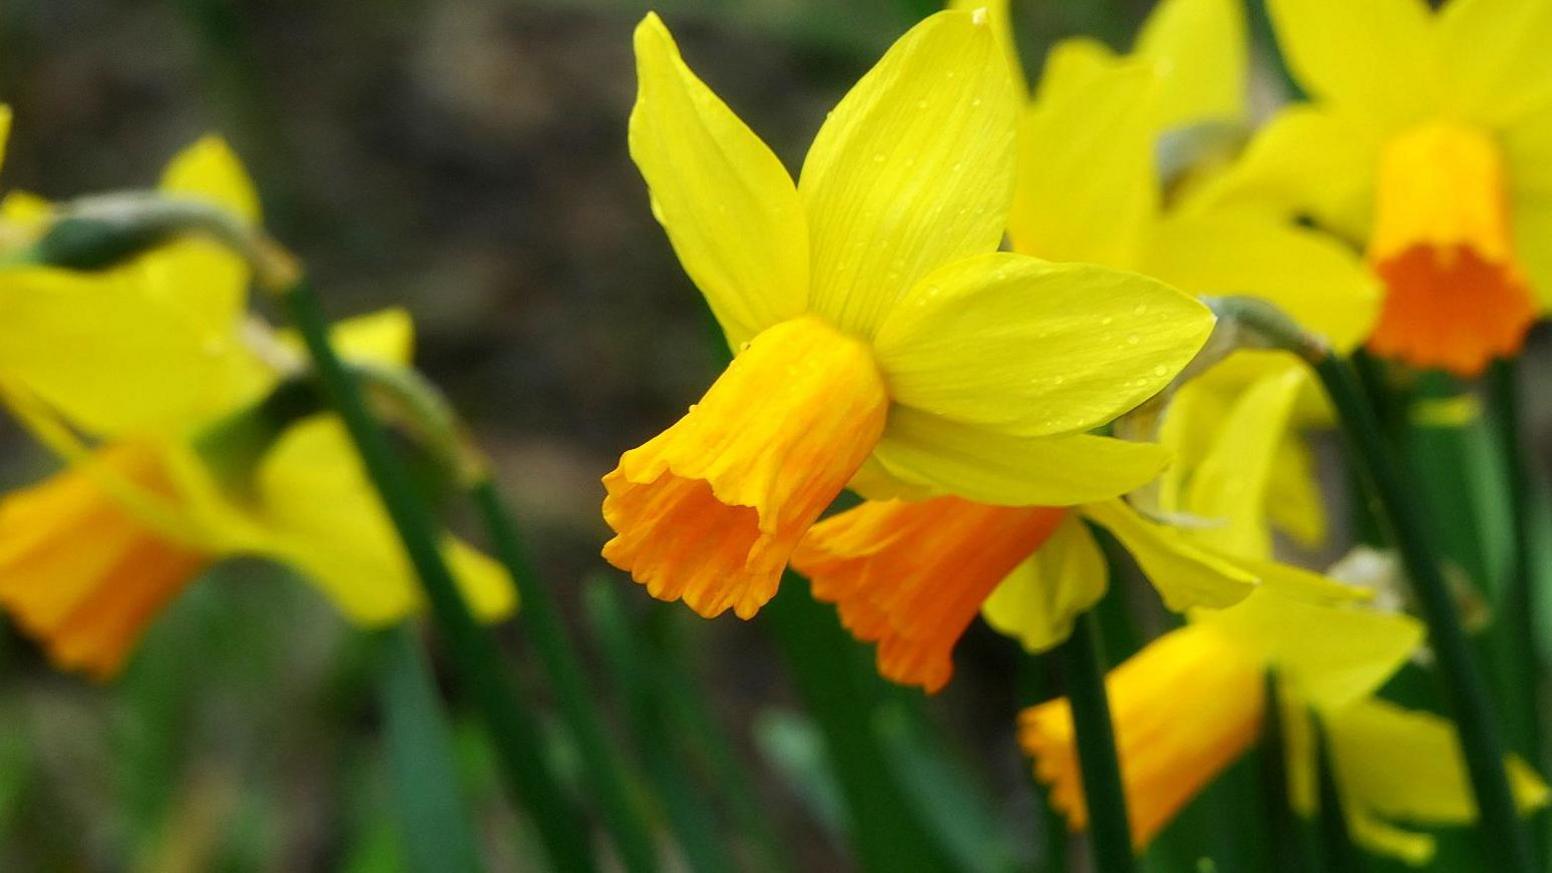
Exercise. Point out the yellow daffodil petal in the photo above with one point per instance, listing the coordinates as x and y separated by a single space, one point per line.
1186 576
1001 21
209 170
1299 144
1525 146
728 205
1058 348
1322 284
124 341
1532 227
1228 488
1294 502
1498 66
1086 188
199 279
1329 655
913 169
1038 602
1407 765
946 457
1374 59
1202 51
321 516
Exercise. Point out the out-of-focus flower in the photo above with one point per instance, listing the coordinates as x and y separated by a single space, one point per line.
911 576
877 330
127 375
1190 703
1427 140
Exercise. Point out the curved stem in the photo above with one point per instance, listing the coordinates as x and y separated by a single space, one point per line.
1400 512
540 617
1083 676
513 731
1465 692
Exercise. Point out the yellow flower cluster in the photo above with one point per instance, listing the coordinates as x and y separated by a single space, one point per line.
151 380
966 311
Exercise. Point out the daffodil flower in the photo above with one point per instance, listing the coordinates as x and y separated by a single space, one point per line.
876 328
145 360
1192 702
911 574
1426 140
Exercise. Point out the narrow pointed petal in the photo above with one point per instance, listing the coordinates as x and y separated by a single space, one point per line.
1375 60
911 171
728 205
1203 50
1185 575
945 457
1498 66
1058 348
1086 160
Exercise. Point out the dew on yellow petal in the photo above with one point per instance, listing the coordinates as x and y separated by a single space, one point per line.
912 576
1184 708
709 510
80 572
1455 295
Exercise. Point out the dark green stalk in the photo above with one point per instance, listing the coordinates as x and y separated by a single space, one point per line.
1282 823
1336 844
481 672
1401 513
1037 684
641 679
843 696
1517 603
690 716
540 618
1083 677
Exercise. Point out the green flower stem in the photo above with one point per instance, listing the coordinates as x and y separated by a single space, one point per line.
540 618
686 707
1517 604
513 730
1336 844
642 679
1400 512
1282 823
1083 678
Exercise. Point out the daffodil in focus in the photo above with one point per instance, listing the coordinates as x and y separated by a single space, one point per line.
127 375
1192 702
880 338
1427 141
911 574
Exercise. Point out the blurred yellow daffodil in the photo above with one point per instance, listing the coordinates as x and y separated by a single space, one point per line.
911 574
146 361
877 330
1427 141
1190 703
